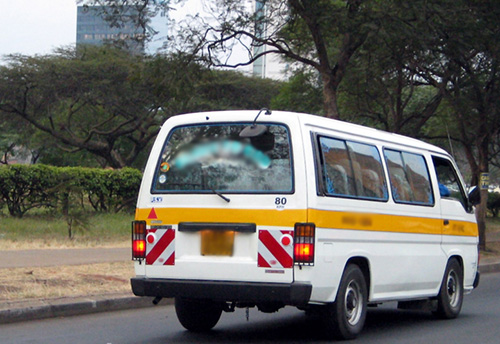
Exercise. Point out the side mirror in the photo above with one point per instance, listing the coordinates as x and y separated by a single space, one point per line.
474 196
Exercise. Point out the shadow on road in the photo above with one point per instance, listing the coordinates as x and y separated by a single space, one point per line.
297 327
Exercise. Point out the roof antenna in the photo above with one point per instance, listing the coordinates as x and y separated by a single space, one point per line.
267 112
255 129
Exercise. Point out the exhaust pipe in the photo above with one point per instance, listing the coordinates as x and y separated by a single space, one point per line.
157 300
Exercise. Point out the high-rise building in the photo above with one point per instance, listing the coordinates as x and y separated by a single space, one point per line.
269 65
92 28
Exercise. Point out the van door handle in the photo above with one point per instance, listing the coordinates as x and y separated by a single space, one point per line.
446 222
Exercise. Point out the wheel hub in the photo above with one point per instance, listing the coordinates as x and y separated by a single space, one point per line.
353 306
452 288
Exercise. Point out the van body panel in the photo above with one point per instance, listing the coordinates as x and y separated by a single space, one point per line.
406 246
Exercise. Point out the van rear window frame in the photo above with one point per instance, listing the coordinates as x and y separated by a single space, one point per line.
154 191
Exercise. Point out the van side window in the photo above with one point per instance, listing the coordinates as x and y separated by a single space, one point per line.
352 169
449 186
409 177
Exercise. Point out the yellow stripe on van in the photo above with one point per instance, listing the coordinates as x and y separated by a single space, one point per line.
374 222
262 217
389 223
322 219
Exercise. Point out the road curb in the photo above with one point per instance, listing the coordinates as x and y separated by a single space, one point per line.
43 309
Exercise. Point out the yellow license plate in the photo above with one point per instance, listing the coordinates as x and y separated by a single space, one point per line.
217 243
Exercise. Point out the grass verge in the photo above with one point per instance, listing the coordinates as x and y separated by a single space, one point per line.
49 231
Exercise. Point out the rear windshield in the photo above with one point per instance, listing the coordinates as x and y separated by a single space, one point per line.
204 158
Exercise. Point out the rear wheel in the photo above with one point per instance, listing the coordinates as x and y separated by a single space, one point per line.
197 315
345 318
451 294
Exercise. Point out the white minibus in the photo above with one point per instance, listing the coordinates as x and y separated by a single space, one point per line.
271 209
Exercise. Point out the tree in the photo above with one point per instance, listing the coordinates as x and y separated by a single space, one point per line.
493 203
466 69
100 100
297 30
225 90
383 89
15 141
301 93
106 103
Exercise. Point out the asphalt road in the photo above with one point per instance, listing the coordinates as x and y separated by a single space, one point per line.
479 322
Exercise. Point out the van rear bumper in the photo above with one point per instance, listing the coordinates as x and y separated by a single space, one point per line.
294 294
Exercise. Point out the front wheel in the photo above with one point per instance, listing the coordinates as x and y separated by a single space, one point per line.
451 293
345 318
197 315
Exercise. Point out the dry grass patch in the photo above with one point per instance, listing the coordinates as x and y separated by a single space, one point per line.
65 281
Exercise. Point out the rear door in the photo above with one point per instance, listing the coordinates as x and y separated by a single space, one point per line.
221 206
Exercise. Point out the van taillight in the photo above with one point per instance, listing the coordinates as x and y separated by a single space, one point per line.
304 243
138 240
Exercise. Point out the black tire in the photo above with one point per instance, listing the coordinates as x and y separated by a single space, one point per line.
345 318
197 315
451 293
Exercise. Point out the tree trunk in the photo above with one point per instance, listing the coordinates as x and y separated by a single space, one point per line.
483 153
330 96
477 167
481 219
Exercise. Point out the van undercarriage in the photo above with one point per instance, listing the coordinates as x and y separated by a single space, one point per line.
293 294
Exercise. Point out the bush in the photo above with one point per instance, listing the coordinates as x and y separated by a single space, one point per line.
493 203
110 190
25 187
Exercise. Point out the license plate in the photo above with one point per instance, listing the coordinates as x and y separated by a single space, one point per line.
217 243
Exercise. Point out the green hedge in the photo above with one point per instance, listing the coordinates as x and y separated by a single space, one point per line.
25 187
493 203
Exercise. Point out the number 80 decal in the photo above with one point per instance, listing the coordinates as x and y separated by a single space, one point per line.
280 202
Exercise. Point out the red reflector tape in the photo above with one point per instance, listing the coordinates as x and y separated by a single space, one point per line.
160 247
274 249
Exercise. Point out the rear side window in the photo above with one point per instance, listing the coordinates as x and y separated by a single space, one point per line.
409 178
351 169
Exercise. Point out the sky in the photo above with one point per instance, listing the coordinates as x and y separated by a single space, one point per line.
36 26
33 27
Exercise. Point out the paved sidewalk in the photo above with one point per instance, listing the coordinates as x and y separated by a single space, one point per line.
55 257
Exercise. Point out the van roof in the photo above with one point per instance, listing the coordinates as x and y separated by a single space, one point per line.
309 120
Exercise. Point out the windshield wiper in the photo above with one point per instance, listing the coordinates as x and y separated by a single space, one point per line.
220 195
